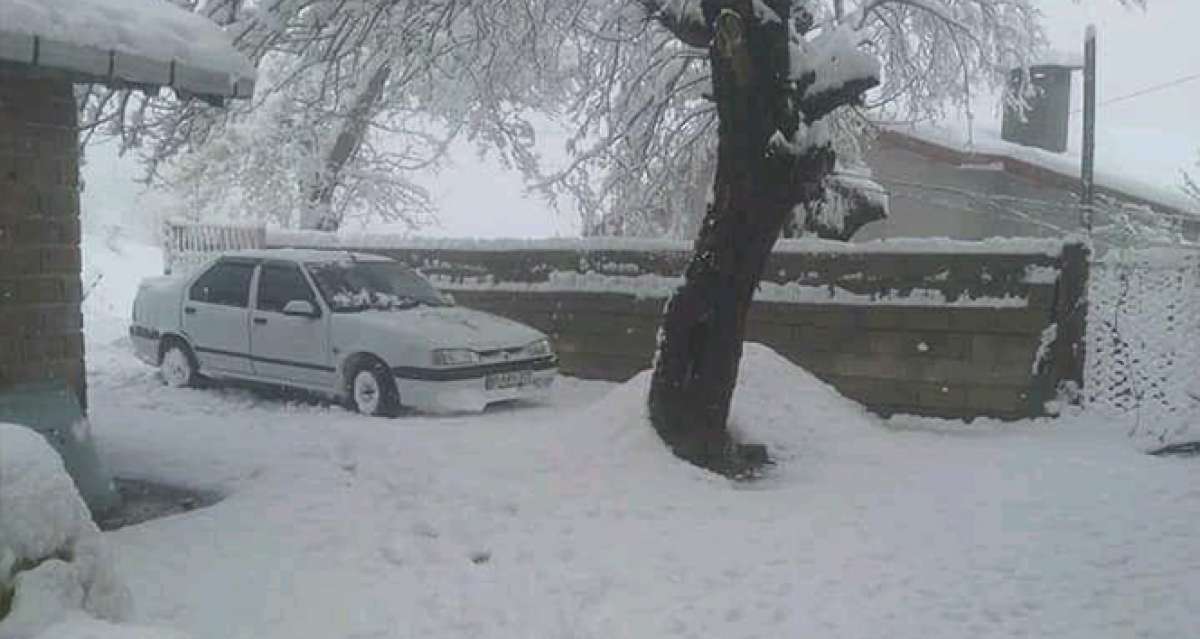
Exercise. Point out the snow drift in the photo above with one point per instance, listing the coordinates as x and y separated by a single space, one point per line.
776 403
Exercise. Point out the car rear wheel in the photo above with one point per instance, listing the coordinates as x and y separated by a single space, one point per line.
178 366
373 390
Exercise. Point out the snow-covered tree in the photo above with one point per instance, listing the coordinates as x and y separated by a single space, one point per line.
782 73
646 135
353 100
644 145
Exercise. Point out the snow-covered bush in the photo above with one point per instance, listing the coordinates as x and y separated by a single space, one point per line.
53 562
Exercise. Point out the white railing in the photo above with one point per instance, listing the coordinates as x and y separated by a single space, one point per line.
187 245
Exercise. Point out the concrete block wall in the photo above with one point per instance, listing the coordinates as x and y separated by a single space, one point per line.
40 291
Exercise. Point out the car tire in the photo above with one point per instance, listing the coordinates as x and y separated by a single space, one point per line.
371 389
178 365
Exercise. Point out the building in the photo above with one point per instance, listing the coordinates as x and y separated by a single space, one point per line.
1016 179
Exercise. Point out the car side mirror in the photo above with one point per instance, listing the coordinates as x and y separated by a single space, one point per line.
300 308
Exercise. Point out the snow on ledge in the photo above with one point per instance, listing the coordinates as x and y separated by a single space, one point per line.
140 41
940 246
649 286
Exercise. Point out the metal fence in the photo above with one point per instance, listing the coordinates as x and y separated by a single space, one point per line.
1143 359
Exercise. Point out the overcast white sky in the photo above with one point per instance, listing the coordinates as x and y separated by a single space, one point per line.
1136 50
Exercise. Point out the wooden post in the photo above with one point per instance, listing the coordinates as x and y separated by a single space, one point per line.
1087 173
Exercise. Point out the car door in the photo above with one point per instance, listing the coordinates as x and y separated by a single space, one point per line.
289 348
216 316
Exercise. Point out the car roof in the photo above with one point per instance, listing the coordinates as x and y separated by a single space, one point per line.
306 255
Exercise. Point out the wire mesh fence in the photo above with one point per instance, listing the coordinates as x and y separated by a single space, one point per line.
1143 359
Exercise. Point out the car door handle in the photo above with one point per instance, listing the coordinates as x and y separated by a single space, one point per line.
189 310
260 320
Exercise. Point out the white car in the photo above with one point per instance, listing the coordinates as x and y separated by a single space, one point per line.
363 328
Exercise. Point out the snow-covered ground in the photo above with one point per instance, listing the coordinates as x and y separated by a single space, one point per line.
570 519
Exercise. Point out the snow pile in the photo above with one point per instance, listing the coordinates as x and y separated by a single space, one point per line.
52 559
651 286
40 511
791 411
155 29
776 403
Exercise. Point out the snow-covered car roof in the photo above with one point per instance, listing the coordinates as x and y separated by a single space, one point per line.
307 255
142 42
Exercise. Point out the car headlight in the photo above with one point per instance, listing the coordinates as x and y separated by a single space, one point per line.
540 348
454 357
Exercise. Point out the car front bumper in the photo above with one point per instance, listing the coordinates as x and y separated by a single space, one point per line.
468 389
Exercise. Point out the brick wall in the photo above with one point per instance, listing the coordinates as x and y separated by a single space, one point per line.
40 320
954 356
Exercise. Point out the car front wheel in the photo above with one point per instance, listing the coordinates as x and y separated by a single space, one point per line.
373 390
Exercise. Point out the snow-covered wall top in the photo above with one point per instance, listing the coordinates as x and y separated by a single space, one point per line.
140 41
999 273
942 246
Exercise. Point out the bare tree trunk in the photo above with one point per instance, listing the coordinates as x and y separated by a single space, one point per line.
755 192
319 213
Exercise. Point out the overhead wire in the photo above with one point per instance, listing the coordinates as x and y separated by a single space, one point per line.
1146 91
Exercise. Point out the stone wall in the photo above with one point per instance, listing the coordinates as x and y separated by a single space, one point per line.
40 292
957 330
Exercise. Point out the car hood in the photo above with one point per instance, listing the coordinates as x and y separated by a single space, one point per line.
450 327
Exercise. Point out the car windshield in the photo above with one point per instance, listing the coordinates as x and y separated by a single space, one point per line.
352 286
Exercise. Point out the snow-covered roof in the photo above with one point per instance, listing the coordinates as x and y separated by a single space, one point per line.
142 42
1116 171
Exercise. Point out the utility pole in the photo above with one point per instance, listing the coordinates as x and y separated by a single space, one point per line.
1088 170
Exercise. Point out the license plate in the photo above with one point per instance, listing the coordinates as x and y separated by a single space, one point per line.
514 379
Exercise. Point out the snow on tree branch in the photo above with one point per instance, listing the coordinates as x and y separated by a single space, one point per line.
683 18
832 71
851 200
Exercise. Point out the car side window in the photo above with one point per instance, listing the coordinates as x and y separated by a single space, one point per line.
279 284
227 284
